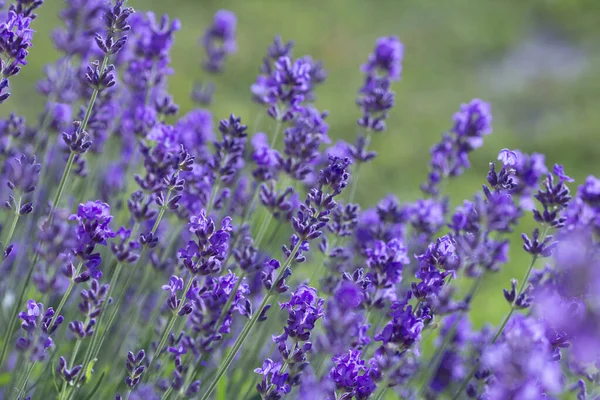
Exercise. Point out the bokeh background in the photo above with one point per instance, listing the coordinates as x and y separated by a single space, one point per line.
536 62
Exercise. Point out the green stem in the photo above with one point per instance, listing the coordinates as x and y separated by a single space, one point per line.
22 391
167 393
357 169
249 326
13 318
61 186
230 300
11 230
66 294
81 128
380 395
276 135
506 319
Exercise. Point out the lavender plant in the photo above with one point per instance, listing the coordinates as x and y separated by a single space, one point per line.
178 241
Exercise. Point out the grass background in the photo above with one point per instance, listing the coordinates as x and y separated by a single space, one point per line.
537 62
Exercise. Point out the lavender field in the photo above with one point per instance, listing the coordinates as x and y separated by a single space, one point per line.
301 200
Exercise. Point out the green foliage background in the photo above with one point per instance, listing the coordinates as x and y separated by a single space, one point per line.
543 100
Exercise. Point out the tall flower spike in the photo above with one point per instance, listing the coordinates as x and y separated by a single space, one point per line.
376 98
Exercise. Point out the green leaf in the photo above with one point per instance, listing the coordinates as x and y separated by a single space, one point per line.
5 378
56 386
222 388
89 370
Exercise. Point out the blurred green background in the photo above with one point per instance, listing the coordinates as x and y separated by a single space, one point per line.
537 62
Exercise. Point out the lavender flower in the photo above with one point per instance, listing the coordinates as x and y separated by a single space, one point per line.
286 83
273 382
375 97
15 40
38 326
93 228
205 254
135 368
91 306
352 377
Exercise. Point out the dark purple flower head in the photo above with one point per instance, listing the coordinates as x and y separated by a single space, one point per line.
554 197
285 87
304 309
352 376
404 330
302 143
442 253
135 368
386 59
375 100
219 40
90 305
65 373
15 40
213 296
175 285
115 23
273 382
175 299
386 261
93 228
209 247
335 176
